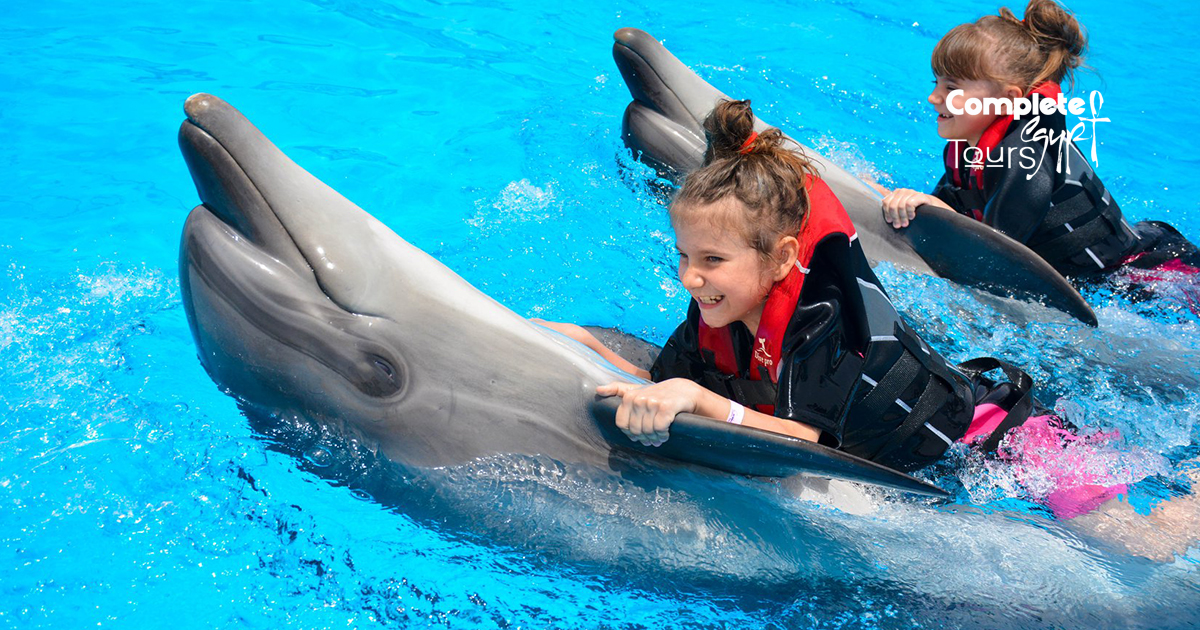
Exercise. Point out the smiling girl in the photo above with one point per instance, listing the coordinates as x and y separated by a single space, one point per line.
1044 195
788 329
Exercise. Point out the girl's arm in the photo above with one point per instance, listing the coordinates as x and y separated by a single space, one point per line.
580 334
647 411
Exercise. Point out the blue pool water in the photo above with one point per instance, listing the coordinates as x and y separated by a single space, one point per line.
133 493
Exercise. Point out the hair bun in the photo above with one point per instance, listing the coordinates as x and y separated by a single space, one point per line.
1055 27
730 131
728 127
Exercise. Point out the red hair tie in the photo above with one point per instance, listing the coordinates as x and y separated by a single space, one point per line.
749 141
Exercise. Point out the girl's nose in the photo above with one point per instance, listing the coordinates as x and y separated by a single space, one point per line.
689 277
936 97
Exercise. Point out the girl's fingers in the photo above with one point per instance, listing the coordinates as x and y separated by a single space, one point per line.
911 201
899 206
622 419
642 410
646 411
616 389
662 424
889 210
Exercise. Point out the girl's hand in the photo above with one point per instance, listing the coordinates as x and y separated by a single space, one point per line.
900 205
647 411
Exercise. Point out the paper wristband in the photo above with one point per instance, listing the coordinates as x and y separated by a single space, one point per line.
736 413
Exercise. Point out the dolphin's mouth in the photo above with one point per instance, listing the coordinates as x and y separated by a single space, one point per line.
239 254
640 62
248 183
229 192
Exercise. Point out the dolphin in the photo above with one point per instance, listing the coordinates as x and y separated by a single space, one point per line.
663 125
303 304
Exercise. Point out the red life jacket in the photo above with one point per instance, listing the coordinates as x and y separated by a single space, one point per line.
990 139
826 217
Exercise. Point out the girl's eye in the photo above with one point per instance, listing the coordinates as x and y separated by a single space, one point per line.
713 259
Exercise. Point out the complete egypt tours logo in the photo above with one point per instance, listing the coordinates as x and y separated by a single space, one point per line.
1032 132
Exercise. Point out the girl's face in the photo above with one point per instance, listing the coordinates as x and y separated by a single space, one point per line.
963 126
725 275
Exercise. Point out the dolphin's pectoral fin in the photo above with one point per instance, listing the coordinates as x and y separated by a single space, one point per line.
746 451
965 251
234 281
669 148
749 451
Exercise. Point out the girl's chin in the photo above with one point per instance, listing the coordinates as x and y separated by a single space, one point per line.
713 320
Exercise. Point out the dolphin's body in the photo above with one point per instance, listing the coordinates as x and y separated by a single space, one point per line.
302 304
663 125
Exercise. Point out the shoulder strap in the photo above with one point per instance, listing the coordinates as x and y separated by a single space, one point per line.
1019 412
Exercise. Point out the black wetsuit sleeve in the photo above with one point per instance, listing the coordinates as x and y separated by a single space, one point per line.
680 356
1019 193
820 368
943 191
815 386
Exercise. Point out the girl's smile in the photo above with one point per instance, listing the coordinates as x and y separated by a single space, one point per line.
725 276
965 126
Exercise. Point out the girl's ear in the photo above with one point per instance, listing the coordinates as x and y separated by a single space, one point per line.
1013 92
787 251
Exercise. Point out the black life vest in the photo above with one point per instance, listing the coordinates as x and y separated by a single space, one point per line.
908 406
1081 230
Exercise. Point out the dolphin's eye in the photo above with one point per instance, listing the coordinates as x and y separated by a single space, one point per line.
385 367
378 376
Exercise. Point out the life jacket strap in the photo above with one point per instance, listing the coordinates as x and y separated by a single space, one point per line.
940 384
932 397
1079 218
886 391
751 393
1019 412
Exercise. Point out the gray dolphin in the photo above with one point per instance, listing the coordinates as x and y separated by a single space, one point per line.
303 304
663 126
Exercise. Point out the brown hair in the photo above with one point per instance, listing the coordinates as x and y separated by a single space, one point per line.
1048 45
757 170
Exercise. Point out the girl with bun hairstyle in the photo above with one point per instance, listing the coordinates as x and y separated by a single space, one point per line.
788 329
998 172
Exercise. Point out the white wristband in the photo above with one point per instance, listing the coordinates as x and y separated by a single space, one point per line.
736 413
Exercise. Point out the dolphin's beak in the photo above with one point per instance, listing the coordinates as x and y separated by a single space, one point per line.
224 186
640 58
658 125
251 185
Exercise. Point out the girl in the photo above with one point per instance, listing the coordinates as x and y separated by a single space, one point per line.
1044 195
788 329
